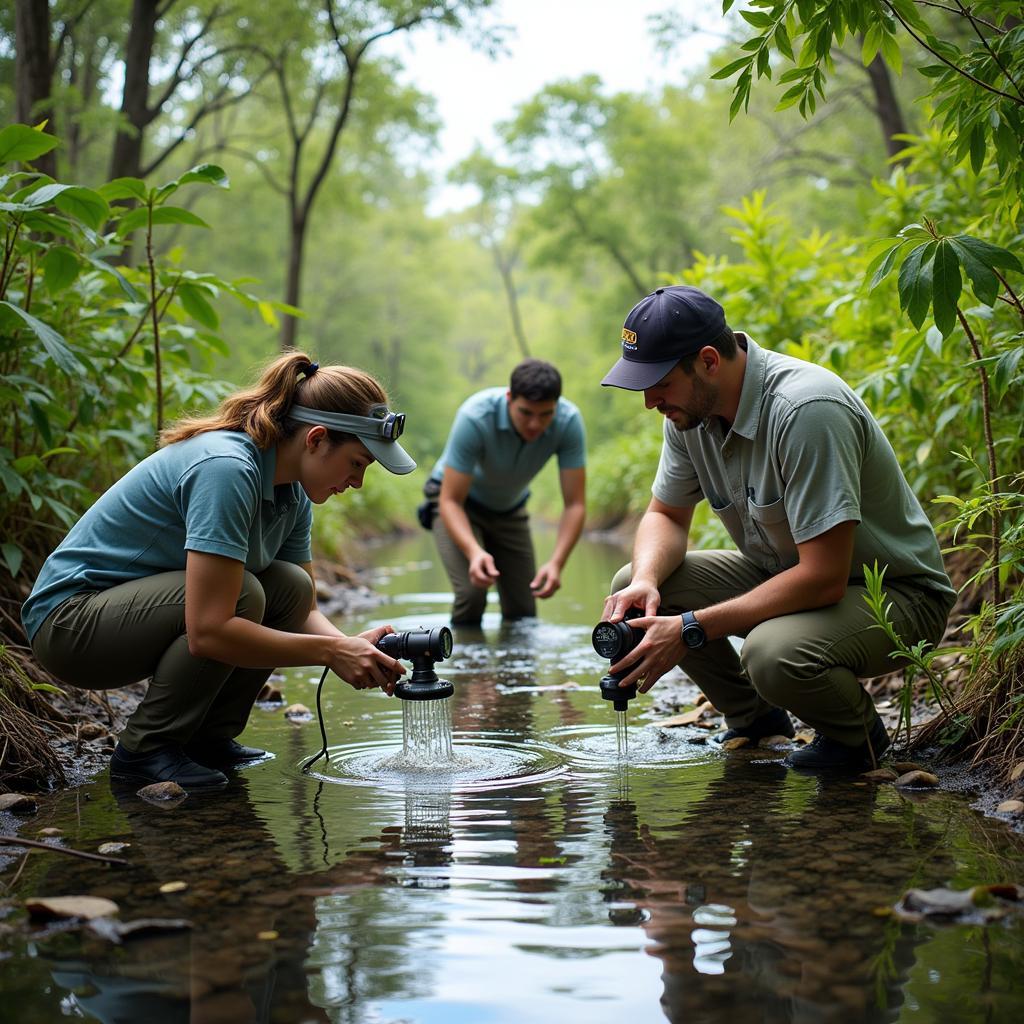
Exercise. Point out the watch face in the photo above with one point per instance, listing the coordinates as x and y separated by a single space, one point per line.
693 635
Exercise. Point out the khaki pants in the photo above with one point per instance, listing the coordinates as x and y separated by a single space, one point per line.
102 639
507 537
809 662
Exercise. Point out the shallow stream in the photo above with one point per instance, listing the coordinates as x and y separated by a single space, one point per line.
535 880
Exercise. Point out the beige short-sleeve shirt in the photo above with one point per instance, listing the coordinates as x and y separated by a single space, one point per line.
803 455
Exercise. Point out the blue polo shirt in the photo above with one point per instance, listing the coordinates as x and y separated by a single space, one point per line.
484 444
213 493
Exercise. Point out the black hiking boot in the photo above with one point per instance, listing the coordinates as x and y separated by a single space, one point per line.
772 723
224 753
824 754
166 764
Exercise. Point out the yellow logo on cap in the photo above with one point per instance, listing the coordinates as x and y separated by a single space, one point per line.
628 339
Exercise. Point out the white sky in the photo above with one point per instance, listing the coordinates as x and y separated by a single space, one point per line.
552 39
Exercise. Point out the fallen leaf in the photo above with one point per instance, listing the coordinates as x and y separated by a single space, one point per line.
735 743
267 936
686 718
112 847
173 887
86 907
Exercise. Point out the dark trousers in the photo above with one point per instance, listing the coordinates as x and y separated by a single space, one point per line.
102 639
506 536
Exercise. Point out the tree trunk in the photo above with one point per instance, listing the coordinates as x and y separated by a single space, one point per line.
504 265
887 106
34 71
135 112
293 283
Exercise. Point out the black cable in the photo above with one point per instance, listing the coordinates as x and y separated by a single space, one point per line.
323 732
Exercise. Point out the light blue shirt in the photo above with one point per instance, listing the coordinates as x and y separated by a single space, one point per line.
484 444
213 493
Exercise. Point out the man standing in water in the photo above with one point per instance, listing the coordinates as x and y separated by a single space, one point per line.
500 440
809 488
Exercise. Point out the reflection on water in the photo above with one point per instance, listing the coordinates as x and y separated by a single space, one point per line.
534 878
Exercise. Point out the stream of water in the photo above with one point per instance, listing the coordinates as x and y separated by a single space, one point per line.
520 866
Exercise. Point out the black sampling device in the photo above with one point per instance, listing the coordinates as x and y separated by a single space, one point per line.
614 641
422 647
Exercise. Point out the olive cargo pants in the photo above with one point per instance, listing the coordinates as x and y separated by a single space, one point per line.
506 535
102 639
809 663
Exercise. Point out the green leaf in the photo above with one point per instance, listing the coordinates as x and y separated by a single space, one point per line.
139 218
106 268
12 557
124 188
60 268
19 142
977 144
915 282
782 41
56 347
990 255
983 279
730 69
872 43
42 422
946 286
1005 371
205 174
891 52
882 265
85 205
197 305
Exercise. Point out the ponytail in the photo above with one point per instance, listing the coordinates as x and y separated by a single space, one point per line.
262 410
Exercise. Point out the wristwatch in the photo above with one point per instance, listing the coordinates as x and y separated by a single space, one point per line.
694 636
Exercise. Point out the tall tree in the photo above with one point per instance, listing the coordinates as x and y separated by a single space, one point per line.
325 79
34 69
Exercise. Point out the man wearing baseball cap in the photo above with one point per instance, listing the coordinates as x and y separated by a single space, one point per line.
809 489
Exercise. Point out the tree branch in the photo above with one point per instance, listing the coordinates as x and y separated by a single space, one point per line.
984 42
960 71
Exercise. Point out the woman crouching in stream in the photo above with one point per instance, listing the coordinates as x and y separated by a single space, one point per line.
195 569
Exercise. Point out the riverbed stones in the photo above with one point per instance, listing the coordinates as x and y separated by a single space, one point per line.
298 713
1011 807
162 792
881 775
18 802
50 833
918 779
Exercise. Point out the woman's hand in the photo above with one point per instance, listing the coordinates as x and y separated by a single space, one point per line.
358 661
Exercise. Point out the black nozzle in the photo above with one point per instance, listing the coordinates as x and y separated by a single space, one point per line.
422 647
620 696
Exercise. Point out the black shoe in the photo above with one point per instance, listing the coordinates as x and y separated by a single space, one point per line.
772 723
166 764
824 754
223 753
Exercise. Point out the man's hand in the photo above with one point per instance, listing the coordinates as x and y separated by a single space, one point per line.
661 648
482 570
637 594
547 580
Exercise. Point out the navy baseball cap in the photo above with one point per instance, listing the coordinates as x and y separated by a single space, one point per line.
660 329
